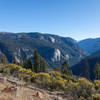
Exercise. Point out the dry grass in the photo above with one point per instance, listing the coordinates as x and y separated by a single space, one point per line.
9 91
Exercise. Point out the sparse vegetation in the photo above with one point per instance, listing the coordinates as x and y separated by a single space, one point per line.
76 88
3 59
79 89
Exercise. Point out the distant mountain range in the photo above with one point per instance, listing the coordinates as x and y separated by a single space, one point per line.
90 45
54 49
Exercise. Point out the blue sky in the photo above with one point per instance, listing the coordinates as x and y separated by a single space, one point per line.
78 19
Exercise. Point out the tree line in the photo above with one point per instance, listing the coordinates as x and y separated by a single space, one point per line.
86 70
39 65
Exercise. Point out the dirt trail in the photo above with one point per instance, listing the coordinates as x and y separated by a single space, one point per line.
12 89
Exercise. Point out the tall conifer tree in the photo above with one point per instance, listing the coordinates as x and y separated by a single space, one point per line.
36 61
27 64
65 69
97 71
42 65
86 73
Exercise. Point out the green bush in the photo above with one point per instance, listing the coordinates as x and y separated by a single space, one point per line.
97 84
17 71
66 77
55 74
83 88
57 82
79 89
43 79
96 97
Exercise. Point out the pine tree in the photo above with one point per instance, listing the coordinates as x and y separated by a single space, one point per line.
21 61
14 62
42 65
36 61
86 69
97 71
39 63
65 69
28 64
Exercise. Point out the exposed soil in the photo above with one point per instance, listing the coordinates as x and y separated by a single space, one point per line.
13 89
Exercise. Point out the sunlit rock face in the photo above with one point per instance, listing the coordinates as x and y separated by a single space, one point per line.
52 39
54 49
57 55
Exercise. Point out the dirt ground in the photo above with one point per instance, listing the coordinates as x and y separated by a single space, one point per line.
12 89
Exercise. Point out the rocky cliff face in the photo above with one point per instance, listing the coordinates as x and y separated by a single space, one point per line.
54 49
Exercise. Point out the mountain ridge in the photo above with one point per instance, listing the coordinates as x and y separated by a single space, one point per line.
90 45
54 49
